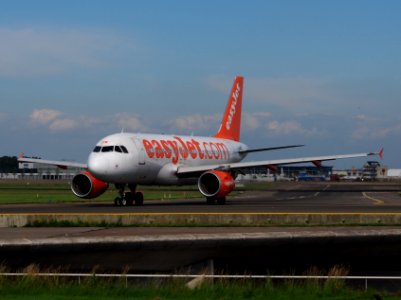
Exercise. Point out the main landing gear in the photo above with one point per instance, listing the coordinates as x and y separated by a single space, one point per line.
128 198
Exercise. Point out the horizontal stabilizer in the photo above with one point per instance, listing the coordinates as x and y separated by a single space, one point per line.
59 163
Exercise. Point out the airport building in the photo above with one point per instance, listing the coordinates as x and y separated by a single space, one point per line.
302 173
372 170
45 172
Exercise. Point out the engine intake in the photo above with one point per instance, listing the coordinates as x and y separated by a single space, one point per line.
84 185
216 184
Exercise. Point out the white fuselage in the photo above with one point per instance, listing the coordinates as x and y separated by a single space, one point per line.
155 158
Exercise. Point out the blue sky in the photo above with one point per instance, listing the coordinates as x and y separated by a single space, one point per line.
326 74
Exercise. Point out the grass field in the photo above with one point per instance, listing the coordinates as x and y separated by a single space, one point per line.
20 191
59 191
31 287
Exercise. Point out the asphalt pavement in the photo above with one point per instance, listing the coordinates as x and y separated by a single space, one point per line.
292 197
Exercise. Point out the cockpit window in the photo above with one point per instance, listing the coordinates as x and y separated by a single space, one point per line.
117 149
108 149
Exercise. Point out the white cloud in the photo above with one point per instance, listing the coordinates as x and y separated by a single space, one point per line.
370 131
361 118
195 122
130 122
56 121
295 93
53 119
256 122
291 92
368 127
289 128
44 116
263 122
253 121
64 125
37 51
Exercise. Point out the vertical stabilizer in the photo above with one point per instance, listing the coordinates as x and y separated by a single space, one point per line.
230 127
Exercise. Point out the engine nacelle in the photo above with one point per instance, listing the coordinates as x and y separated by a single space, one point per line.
216 184
84 185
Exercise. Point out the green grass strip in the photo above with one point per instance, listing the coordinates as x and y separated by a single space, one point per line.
31 287
17 192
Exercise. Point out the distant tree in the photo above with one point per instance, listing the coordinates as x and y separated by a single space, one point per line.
8 164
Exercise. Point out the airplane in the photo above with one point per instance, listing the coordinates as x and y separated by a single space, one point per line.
132 159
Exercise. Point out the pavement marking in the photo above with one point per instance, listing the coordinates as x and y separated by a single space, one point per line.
325 188
303 197
375 200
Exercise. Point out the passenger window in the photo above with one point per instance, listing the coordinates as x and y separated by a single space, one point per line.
108 149
124 149
118 149
97 149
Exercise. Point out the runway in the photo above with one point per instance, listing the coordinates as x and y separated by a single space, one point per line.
291 197
239 237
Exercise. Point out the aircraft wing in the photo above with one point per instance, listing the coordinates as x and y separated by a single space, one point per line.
61 164
189 170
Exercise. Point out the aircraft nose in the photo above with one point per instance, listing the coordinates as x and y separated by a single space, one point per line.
98 166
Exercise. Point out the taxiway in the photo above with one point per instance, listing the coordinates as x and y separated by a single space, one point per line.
292 197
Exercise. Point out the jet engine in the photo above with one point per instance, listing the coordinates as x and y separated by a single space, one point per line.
216 184
84 185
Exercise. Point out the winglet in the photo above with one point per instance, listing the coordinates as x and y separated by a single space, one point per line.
230 126
380 153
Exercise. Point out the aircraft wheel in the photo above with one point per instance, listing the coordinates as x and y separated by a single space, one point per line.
129 198
210 201
221 201
138 199
122 202
117 201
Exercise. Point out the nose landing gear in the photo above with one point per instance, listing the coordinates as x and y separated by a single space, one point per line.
128 198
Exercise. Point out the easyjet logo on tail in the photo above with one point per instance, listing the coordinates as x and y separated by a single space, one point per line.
176 149
230 126
231 113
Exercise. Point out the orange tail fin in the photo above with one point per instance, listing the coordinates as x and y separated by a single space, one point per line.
230 127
